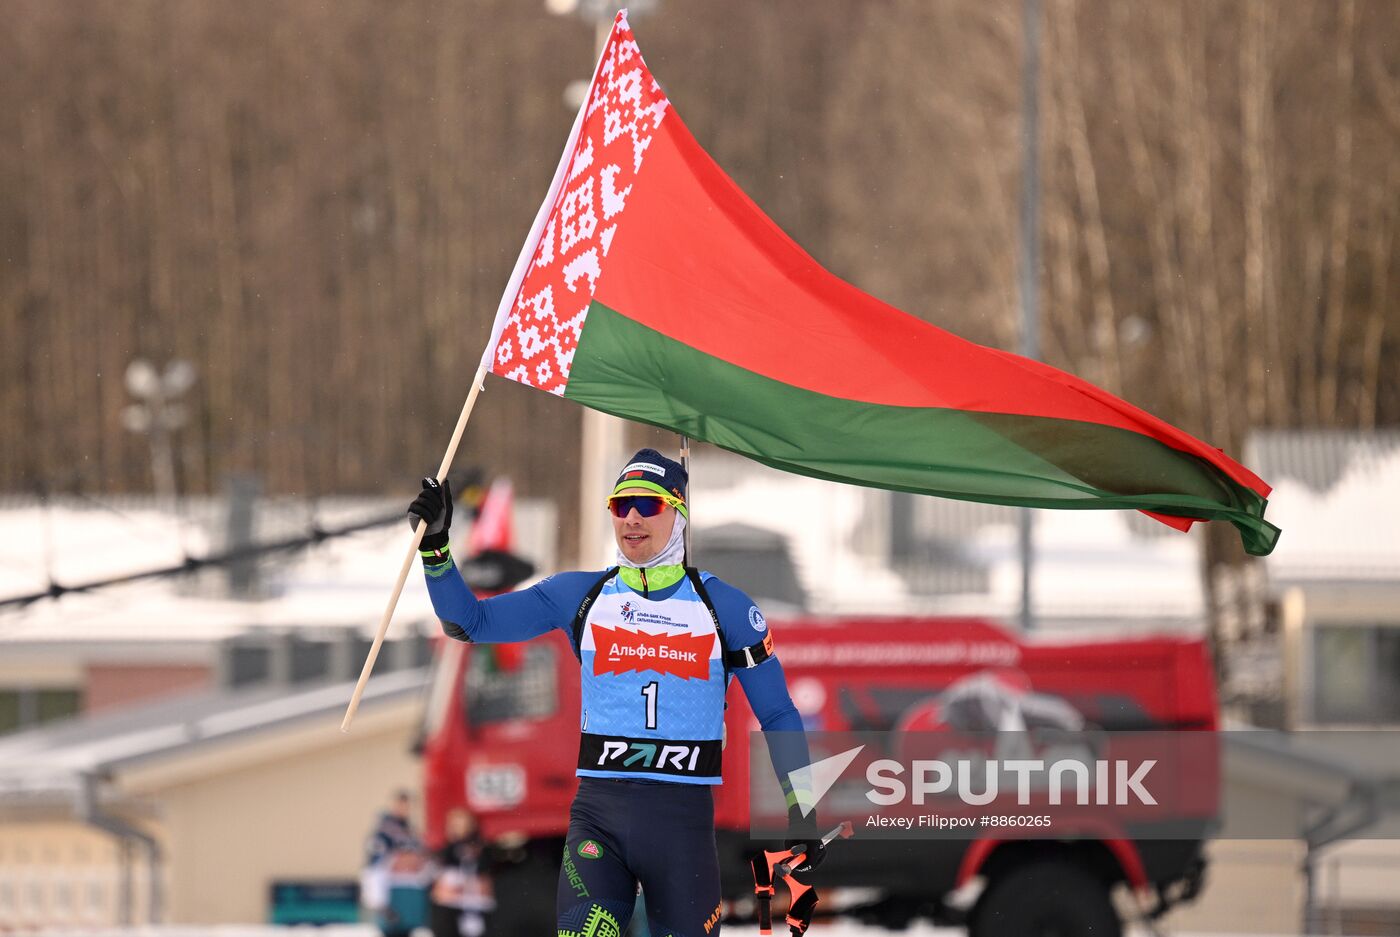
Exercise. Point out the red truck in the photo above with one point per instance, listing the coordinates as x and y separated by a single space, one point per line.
501 737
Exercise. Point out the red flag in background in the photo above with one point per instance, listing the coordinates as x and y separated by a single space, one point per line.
494 527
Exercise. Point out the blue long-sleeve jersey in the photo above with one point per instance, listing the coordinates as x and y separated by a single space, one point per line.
553 603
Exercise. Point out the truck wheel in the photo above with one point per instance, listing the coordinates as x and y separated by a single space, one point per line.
1046 899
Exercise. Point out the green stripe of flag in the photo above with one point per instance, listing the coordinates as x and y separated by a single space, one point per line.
632 371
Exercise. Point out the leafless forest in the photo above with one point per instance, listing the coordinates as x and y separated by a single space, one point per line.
318 203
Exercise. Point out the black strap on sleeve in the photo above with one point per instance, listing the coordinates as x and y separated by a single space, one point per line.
745 657
581 616
751 656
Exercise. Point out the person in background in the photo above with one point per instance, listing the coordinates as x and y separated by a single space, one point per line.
393 831
462 895
393 862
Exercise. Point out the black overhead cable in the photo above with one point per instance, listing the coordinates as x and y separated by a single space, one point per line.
315 535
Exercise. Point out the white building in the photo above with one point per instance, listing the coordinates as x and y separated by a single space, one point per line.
865 550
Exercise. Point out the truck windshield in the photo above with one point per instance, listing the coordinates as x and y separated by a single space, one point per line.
510 682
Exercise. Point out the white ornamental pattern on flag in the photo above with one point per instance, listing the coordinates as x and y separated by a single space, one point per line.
624 109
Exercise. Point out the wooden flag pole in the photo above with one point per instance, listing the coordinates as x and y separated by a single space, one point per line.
418 531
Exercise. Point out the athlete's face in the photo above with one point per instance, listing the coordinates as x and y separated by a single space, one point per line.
641 538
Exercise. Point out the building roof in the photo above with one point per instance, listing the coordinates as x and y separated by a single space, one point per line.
52 761
1094 570
340 582
1337 497
1346 783
343 581
1317 459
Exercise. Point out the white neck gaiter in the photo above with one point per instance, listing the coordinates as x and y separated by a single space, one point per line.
673 554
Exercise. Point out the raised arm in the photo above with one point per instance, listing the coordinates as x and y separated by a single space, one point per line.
515 616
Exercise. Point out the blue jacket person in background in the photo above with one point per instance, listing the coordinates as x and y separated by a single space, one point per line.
657 644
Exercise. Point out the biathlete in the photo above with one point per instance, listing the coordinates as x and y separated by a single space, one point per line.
657 643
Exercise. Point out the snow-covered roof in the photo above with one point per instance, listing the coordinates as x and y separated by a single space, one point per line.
1317 458
1337 497
1092 568
341 582
52 760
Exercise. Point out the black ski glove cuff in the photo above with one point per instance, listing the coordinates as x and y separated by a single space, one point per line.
433 507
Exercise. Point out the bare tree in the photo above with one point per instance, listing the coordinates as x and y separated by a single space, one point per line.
319 204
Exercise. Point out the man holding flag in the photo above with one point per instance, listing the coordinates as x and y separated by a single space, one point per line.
652 288
657 643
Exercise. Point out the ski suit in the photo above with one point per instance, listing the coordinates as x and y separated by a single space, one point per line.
655 663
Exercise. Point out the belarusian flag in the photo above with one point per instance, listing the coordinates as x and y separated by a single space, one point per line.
652 288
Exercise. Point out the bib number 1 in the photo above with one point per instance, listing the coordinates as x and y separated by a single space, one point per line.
649 691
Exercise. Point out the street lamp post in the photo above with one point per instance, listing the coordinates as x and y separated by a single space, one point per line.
158 413
1030 262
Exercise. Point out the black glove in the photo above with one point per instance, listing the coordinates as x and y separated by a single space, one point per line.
802 831
433 507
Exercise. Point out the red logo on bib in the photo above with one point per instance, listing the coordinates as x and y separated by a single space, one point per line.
682 655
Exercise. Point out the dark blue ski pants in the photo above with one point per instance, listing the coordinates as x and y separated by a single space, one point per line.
627 833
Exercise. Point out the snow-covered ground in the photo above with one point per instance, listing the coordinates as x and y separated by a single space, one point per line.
834 928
